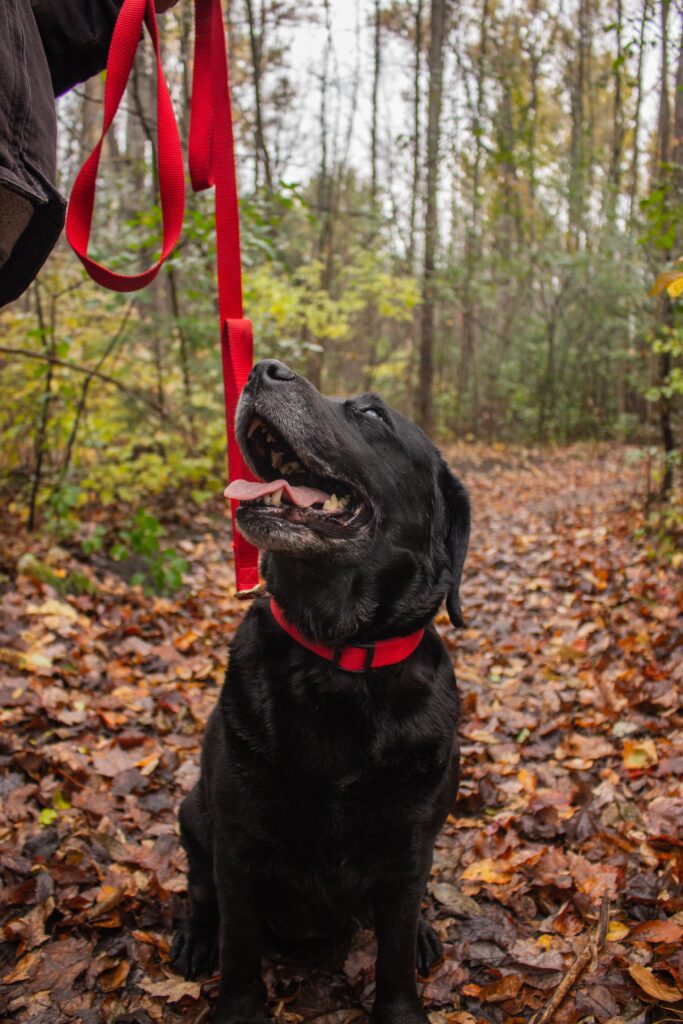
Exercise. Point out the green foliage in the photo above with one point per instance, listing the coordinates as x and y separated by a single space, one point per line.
162 568
667 341
71 583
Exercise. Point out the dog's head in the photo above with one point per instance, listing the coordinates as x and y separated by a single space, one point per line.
354 496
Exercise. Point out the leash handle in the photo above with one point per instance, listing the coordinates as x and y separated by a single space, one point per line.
212 162
79 214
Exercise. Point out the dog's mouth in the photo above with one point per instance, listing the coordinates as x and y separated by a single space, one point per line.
289 490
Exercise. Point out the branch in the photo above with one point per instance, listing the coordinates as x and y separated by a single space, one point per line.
86 384
588 955
138 396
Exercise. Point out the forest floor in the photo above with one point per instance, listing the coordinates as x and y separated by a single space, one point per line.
561 864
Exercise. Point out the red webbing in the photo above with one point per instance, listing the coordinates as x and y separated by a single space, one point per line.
212 162
171 174
354 659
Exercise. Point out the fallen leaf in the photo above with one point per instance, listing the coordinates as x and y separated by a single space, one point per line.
22 970
639 753
506 987
486 870
651 984
616 930
113 978
453 901
172 989
657 931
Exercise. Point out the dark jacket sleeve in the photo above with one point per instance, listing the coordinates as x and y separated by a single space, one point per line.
75 36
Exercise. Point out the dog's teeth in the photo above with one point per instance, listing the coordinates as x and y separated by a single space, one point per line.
269 437
332 504
276 497
276 458
267 500
254 425
290 467
343 502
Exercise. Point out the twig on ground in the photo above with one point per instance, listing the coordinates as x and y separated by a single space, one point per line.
588 955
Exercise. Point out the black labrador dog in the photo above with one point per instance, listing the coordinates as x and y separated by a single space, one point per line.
326 773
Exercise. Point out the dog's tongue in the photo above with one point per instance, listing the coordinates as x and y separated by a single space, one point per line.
248 490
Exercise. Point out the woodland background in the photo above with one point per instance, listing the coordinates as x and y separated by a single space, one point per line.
464 207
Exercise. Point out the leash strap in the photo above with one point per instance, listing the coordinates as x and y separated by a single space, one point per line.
353 659
212 163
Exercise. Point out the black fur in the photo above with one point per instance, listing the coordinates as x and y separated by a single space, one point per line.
322 791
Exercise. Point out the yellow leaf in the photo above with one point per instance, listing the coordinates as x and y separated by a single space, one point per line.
27 661
668 279
486 870
616 930
639 753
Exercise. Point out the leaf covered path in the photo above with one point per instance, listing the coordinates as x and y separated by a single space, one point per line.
570 671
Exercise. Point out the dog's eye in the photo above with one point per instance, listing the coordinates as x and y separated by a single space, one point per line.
373 412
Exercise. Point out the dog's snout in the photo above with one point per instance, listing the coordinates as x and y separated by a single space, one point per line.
271 371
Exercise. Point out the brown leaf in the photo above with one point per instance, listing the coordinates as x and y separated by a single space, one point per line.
657 931
651 984
506 987
22 970
114 977
584 748
111 760
445 981
171 989
453 901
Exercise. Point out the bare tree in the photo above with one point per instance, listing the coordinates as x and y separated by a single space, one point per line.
425 396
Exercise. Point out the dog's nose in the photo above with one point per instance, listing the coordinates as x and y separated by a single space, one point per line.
271 371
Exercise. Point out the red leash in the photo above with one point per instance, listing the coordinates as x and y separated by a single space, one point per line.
212 162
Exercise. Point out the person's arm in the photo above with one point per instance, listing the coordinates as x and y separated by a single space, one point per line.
76 36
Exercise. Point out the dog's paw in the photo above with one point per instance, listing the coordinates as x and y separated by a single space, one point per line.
194 951
400 1011
429 948
221 1018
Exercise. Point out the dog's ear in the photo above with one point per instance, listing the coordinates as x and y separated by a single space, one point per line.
457 536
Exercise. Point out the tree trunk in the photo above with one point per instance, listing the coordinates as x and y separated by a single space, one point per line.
664 175
425 397
617 118
377 65
417 101
635 156
47 337
322 248
467 370
260 149
578 145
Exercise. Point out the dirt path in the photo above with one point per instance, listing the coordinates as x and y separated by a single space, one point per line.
571 796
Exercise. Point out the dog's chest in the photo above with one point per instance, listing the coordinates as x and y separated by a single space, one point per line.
336 781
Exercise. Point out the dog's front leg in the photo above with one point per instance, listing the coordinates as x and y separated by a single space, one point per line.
242 994
397 911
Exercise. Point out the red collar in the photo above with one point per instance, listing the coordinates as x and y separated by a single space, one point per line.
354 659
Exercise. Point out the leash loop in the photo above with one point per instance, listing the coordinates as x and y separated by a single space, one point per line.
212 163
171 174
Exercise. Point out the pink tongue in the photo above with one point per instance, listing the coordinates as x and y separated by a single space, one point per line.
247 490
